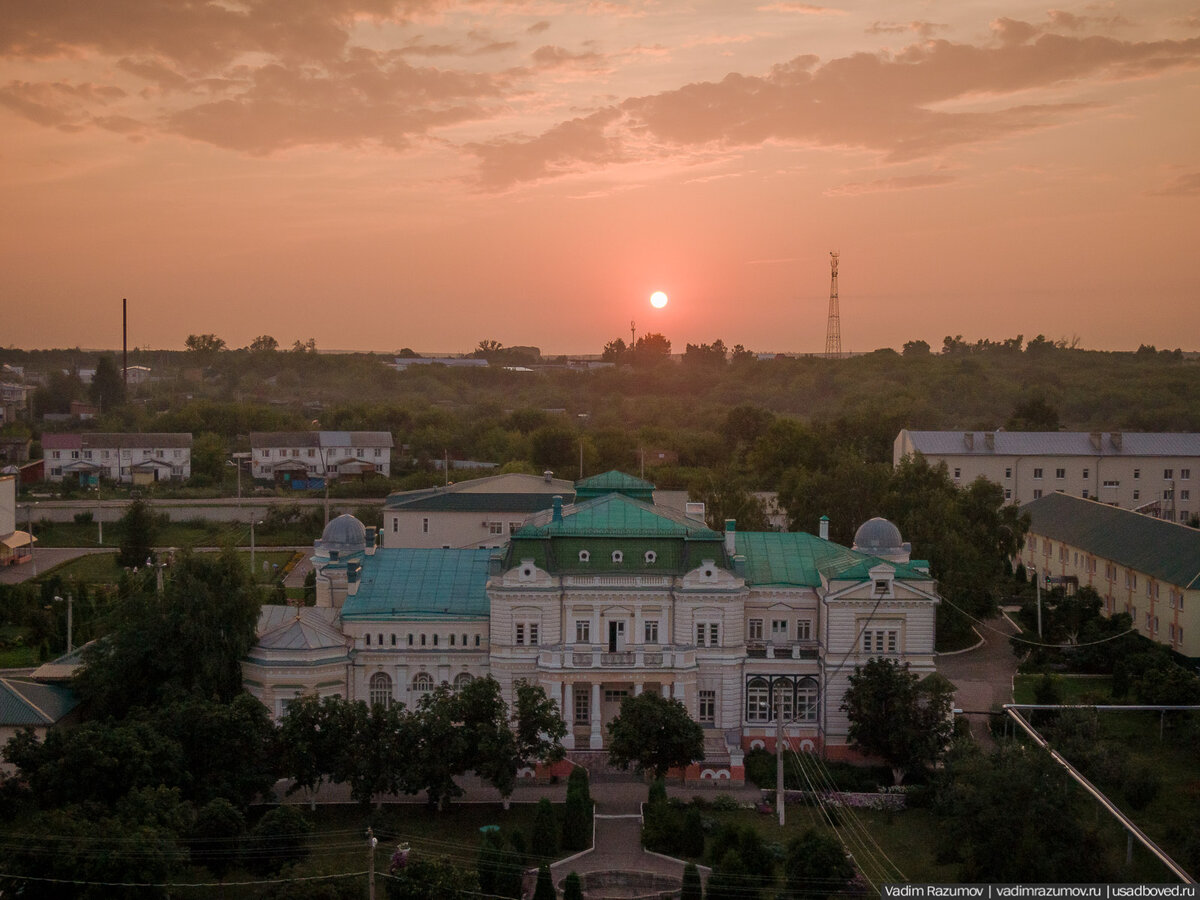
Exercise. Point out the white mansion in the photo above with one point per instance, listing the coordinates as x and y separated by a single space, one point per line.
605 597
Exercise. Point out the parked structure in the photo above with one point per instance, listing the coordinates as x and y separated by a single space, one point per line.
1151 472
1140 565
605 597
481 512
131 458
297 458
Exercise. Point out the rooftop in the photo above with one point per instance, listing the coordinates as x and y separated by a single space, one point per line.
25 702
414 583
1053 443
798 559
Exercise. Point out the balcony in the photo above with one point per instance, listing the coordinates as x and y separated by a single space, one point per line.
620 581
579 656
788 650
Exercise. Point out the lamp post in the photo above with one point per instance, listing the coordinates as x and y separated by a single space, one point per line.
237 460
252 524
70 620
32 558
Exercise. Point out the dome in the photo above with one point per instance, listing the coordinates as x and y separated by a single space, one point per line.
877 535
345 534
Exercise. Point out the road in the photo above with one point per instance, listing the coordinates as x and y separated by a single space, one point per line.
983 675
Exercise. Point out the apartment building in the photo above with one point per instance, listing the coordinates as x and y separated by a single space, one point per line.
141 458
295 458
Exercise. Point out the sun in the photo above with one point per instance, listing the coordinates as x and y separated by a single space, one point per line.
658 299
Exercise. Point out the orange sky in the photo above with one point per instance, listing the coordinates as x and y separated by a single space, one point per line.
429 173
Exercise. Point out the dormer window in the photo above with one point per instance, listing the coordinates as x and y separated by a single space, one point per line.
651 557
585 556
882 586
618 557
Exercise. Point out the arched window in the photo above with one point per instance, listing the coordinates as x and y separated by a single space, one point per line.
651 557
618 556
381 689
782 699
461 680
422 683
806 700
758 700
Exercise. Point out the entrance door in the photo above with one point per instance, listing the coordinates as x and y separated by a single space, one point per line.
616 636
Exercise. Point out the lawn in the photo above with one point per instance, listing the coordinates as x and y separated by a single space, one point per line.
102 568
194 533
1073 689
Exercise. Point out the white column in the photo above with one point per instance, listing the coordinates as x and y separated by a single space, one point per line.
596 741
568 707
678 693
637 689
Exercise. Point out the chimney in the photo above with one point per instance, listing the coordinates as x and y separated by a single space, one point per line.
1097 439
730 536
824 531
989 440
557 515
548 476
969 439
1115 437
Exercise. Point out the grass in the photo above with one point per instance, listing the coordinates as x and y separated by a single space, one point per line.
19 658
1077 689
102 568
195 533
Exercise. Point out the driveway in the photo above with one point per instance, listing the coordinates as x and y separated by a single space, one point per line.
983 675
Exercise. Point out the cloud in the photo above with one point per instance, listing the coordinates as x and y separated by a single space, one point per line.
57 104
538 27
551 57
1186 185
884 103
924 29
807 9
896 183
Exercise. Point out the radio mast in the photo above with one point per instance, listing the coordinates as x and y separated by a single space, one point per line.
833 331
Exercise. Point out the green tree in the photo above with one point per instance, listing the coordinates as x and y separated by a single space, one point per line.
137 535
544 887
614 351
554 447
264 343
691 889
654 734
209 455
650 350
895 715
816 867
204 344
215 840
916 348
431 878
577 816
107 389
279 839
539 726
725 497
573 887
314 736
1033 414
544 839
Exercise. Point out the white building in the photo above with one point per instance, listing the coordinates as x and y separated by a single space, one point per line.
293 458
132 458
1151 472
607 597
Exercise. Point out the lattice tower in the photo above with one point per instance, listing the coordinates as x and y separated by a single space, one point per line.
833 331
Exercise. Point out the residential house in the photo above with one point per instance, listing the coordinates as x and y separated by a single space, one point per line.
303 459
136 458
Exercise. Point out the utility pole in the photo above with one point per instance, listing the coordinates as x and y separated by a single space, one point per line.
32 557
779 755
371 842
833 329
1037 579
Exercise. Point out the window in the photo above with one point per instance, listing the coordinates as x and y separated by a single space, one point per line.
615 695
533 632
381 689
618 556
495 528
422 640
1085 472
651 631
584 556
806 700
707 709
1008 493
1168 494
378 452
1060 473
410 640
1037 494
650 557
1085 493
880 640
519 630
393 640
1183 515
1185 494
1137 473
476 640
311 452
422 683
583 631
1168 473
804 629
758 700
514 527
782 702
1185 474
461 680
368 641
57 454
425 525
1008 471
1037 473
583 704
708 634
1136 494
435 640
451 639
265 454
395 525
779 629
755 630
358 453
957 472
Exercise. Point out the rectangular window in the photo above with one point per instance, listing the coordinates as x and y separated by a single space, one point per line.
615 695
1185 474
1168 494
1136 494
519 632
435 640
1185 494
754 630
1060 473
495 528
393 640
1137 473
804 629
583 704
396 525
311 452
1008 493
451 639
359 452
1037 495
1037 473
422 640
378 452
880 640
957 472
265 453
410 640
56 454
1085 493
779 629
476 640
425 525
707 711
1168 473
651 631
533 632
513 527
714 635
700 631
1008 471
583 631
1085 472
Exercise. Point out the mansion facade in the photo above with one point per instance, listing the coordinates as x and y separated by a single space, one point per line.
607 597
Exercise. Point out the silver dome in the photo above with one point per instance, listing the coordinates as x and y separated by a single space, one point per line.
876 535
345 534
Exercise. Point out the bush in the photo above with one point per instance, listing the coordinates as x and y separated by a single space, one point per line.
84 518
279 838
577 818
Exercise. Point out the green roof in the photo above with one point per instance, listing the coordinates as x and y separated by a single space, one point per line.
1163 550
30 703
614 482
403 583
798 559
465 501
617 515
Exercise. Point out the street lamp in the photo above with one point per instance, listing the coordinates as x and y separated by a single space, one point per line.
237 460
252 524
70 620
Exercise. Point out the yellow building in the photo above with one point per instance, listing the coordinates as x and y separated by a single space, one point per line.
1144 566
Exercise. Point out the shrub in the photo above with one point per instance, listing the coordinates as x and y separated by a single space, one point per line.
279 838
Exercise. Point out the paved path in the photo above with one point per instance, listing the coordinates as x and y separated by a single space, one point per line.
983 675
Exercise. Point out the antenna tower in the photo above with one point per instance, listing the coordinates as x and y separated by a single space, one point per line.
833 331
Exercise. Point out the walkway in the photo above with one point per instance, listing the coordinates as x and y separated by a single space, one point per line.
983 676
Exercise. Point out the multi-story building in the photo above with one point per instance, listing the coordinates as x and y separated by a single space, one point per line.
607 597
294 458
1154 472
133 458
1138 564
481 512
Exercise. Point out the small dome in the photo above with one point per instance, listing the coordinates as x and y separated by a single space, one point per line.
345 534
877 535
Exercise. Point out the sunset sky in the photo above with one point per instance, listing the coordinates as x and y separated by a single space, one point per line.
430 173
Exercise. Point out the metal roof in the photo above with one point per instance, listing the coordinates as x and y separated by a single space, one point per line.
1053 443
616 514
494 492
411 583
798 559
1164 550
614 482
329 439
30 703
498 503
105 440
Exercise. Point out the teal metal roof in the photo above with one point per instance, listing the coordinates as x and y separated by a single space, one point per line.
800 560
409 583
30 703
617 515
1163 550
614 482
